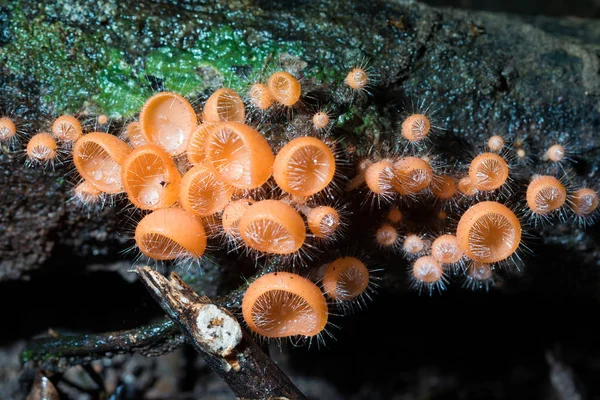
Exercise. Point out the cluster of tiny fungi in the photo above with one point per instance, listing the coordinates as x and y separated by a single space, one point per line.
220 177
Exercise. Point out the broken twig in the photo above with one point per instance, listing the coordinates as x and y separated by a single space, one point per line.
216 334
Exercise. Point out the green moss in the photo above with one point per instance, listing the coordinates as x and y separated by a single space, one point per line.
223 49
54 55
77 69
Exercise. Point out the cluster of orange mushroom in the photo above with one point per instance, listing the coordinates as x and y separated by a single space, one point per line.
195 175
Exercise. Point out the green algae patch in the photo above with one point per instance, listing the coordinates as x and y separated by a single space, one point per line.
224 50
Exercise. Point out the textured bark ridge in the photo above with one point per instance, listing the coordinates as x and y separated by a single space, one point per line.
479 71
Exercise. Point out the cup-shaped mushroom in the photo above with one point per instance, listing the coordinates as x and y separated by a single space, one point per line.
488 232
168 120
98 157
411 175
282 304
304 166
224 105
202 193
150 177
345 279
239 155
272 226
170 233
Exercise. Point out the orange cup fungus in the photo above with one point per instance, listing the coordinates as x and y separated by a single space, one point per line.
387 236
345 279
86 194
394 215
168 120
414 245
416 127
378 177
98 157
320 120
272 226
170 233
357 79
41 148
555 153
197 145
443 187
239 155
488 232
150 177
260 96
545 194
304 166
427 271
322 221
67 128
584 202
446 250
284 88
224 105
282 304
465 186
202 193
8 130
488 171
411 175
133 134
495 143
232 213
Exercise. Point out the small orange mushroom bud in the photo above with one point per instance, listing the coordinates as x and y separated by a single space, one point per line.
411 175
416 127
272 226
284 88
378 177
98 157
239 155
323 221
345 279
555 153
357 79
488 171
168 120
427 272
479 276
67 128
202 193
260 96
495 143
8 130
320 120
545 194
414 245
86 194
445 249
170 233
133 134
304 166
488 232
282 304
41 148
387 236
150 177
102 119
584 202
224 105
394 215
